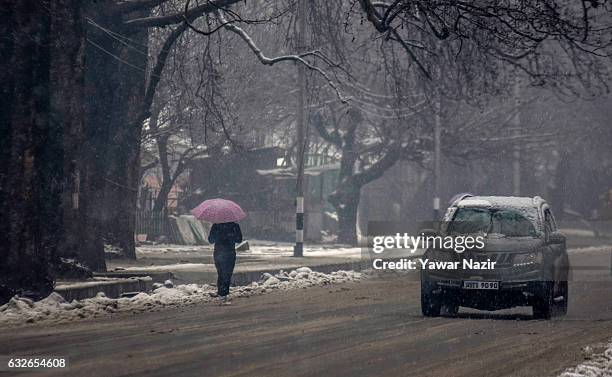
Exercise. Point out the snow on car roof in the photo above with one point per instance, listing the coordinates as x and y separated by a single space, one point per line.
473 203
497 201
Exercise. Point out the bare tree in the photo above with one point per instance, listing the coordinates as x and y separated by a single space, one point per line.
121 91
367 151
552 42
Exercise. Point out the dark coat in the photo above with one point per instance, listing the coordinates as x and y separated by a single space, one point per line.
225 236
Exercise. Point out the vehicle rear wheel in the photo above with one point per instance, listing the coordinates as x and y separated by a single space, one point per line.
543 306
430 302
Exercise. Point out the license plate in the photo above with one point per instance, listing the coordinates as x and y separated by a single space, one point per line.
480 285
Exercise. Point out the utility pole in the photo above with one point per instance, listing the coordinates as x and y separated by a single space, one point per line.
516 154
298 250
437 157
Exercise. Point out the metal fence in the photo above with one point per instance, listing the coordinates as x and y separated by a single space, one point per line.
153 224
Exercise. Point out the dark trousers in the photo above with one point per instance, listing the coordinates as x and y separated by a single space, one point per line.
224 262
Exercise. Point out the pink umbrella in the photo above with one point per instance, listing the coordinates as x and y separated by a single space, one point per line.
218 211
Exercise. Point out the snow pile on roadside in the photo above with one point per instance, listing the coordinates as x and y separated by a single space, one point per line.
597 365
302 277
54 308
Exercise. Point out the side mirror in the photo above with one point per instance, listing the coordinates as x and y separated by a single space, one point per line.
556 237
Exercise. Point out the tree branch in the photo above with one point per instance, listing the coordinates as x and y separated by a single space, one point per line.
150 165
157 70
317 123
379 167
175 18
271 61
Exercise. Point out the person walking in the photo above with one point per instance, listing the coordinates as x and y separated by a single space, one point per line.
225 236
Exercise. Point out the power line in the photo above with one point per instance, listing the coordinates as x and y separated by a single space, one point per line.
118 37
115 56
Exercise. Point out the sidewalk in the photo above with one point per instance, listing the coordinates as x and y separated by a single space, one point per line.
194 264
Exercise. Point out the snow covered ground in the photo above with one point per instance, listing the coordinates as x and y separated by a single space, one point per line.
272 249
258 248
596 364
54 309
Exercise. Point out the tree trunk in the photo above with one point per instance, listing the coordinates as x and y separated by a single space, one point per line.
346 202
99 82
166 184
168 178
124 175
162 197
39 124
115 80
67 108
347 196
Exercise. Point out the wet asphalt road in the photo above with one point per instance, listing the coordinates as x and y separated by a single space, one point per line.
372 328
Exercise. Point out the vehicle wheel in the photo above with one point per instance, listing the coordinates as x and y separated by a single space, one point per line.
543 306
430 302
563 291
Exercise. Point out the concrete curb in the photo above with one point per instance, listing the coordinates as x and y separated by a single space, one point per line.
111 288
157 277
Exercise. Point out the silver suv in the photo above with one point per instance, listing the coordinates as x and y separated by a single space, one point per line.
520 235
